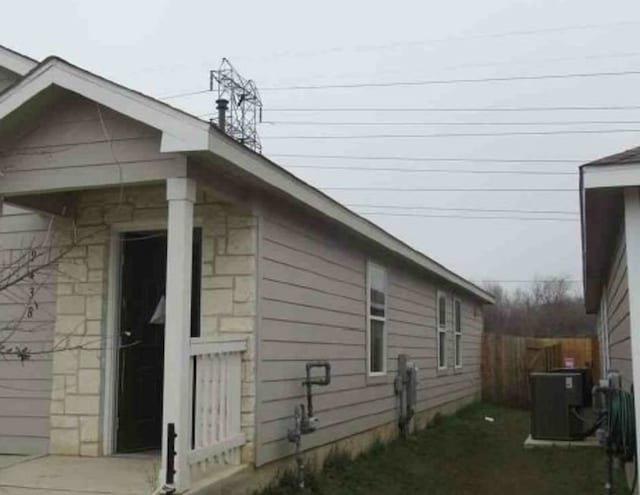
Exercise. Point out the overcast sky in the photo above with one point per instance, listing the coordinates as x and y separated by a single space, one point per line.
164 47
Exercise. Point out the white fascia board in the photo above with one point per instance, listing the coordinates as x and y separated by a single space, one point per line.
600 176
280 179
180 132
16 63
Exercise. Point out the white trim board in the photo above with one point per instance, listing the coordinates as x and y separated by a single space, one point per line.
16 62
599 176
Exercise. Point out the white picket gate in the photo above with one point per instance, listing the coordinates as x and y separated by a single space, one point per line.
217 362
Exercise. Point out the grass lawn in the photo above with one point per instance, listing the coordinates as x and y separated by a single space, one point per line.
463 454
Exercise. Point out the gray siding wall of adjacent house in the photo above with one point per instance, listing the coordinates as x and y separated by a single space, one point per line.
312 305
25 388
615 312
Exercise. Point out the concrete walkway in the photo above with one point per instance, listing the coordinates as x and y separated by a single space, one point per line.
121 475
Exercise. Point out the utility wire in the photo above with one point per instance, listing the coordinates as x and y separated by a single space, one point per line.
450 123
459 134
504 34
484 210
429 170
428 189
468 217
182 95
568 108
428 82
572 281
400 158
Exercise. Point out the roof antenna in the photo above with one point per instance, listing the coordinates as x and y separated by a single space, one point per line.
239 105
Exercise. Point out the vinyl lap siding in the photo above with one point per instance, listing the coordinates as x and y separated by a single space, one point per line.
412 330
313 306
617 315
25 389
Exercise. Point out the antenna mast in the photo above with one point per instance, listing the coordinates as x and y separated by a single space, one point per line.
244 105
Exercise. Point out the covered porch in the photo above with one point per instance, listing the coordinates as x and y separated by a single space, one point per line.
206 374
202 308
112 169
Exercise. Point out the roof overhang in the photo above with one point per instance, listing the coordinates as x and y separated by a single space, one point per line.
602 215
16 62
602 176
182 132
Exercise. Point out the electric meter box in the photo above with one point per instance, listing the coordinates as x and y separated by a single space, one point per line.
554 398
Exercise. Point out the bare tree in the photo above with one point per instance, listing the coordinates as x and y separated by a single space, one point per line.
26 273
548 308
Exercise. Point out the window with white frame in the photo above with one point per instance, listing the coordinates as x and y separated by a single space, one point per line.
457 332
376 319
441 324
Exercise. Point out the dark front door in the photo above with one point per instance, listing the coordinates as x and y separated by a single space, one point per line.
141 356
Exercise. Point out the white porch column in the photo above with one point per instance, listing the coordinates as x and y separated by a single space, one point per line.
181 195
632 235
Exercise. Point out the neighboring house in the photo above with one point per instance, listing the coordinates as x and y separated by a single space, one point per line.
259 273
610 212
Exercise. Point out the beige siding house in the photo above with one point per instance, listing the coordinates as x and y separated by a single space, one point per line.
176 279
610 209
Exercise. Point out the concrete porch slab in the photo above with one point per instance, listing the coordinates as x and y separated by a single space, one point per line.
530 443
7 460
121 475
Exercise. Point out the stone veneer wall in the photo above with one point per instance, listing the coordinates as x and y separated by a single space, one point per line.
228 303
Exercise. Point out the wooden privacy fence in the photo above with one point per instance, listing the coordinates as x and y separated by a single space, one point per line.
507 361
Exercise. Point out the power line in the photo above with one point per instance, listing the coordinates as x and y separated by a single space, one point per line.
430 170
188 93
459 134
450 123
576 108
469 217
428 189
504 34
428 82
484 210
572 281
400 158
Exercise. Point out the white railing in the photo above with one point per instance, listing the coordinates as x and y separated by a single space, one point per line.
217 405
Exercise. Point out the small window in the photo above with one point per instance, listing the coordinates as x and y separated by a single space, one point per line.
376 321
442 330
457 335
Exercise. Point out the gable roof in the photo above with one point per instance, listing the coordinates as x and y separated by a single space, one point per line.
183 132
628 156
16 62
